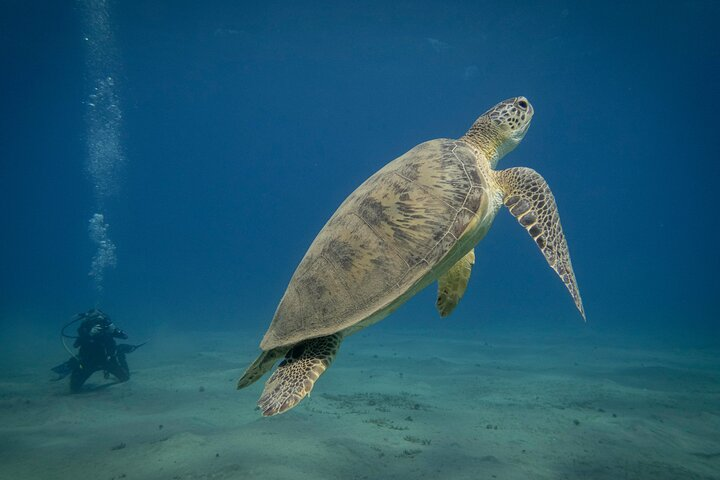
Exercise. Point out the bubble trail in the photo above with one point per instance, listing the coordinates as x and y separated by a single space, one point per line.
104 257
105 156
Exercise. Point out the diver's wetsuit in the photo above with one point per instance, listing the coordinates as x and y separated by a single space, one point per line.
98 350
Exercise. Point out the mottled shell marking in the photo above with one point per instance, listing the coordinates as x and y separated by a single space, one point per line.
386 237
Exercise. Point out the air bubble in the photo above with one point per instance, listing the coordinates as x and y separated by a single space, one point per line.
105 155
104 257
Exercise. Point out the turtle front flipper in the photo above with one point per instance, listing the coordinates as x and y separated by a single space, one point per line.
296 375
530 200
452 285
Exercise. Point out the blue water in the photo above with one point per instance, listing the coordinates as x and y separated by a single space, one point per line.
240 128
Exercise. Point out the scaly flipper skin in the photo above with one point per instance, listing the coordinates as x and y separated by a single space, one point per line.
296 375
452 285
530 200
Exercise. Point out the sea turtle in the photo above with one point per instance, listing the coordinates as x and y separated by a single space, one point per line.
415 221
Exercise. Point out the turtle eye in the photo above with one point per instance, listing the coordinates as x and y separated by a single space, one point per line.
522 104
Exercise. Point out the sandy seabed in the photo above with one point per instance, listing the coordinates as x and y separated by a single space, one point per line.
420 405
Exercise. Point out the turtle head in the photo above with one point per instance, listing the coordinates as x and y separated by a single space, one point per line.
499 130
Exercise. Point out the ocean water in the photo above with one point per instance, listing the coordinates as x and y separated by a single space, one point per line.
171 162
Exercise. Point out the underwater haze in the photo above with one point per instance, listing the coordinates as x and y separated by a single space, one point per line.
170 163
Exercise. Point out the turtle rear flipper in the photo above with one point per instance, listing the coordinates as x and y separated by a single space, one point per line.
296 375
530 200
452 285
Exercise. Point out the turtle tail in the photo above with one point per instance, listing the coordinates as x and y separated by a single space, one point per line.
261 366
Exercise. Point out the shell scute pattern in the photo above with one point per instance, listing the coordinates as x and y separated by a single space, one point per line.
382 240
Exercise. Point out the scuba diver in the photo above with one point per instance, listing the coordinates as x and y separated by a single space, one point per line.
97 350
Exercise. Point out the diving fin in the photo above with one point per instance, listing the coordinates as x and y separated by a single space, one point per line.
65 369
